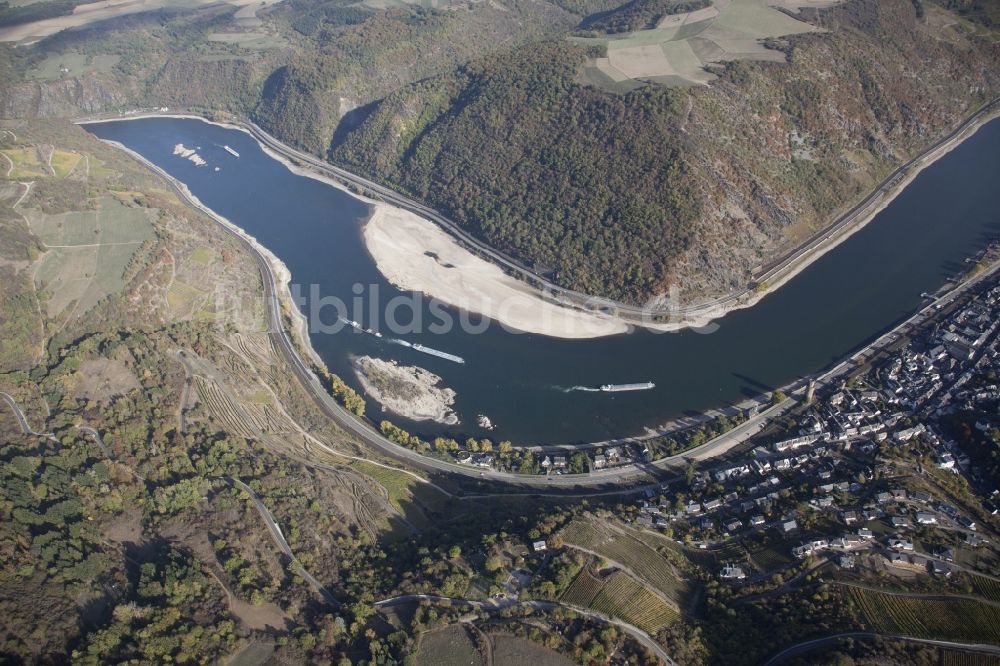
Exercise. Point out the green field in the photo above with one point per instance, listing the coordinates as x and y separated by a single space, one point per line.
87 253
676 51
58 66
956 619
63 162
26 164
626 548
411 498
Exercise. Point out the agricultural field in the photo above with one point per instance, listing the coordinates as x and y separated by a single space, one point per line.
510 650
88 252
678 50
621 596
985 587
450 646
88 13
770 558
956 619
62 65
410 497
619 545
249 40
24 164
64 162
959 658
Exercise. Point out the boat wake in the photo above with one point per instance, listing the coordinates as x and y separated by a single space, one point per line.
570 389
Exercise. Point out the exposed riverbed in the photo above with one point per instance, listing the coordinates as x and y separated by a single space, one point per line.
537 387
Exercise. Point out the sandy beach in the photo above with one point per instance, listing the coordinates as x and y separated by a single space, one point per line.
414 254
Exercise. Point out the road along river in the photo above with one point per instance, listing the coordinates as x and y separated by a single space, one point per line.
538 389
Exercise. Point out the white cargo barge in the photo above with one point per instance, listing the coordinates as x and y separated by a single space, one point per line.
438 353
614 388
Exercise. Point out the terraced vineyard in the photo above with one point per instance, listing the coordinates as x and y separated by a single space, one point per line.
956 658
230 414
623 597
616 544
986 587
583 589
957 619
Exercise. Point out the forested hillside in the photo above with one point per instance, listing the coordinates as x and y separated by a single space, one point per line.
565 176
627 195
486 112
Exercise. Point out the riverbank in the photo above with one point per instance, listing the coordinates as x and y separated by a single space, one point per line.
408 249
414 254
409 391
282 277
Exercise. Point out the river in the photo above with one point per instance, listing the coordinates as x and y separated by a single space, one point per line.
530 385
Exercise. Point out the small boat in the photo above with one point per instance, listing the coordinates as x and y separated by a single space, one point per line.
231 151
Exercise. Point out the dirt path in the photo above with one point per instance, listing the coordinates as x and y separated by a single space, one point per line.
27 188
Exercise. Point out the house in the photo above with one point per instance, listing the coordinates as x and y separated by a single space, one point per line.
926 518
734 525
883 497
730 572
789 526
846 561
946 554
482 460
921 496
940 569
693 508
539 546
901 544
899 522
906 562
757 520
600 461
945 460
967 523
713 504
850 517
559 462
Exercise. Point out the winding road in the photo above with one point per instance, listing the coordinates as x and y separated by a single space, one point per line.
23 422
808 646
279 538
491 606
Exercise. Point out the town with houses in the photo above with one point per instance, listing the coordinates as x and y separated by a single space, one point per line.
866 471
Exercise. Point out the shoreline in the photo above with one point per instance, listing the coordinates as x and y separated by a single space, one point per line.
414 254
604 317
362 429
282 276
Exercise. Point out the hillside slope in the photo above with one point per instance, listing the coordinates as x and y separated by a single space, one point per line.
628 196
